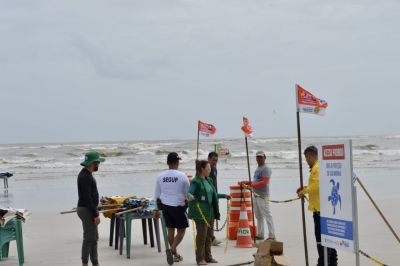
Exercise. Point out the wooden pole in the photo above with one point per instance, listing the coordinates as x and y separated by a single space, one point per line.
66 212
216 185
198 140
379 211
251 198
127 211
301 186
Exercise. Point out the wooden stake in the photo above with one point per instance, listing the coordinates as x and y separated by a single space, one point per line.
301 186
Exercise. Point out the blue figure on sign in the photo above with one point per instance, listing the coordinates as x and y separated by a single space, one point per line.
334 198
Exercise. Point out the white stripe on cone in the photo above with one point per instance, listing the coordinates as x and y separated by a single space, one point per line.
238 208
240 199
243 216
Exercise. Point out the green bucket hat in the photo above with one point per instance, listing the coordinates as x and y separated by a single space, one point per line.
91 157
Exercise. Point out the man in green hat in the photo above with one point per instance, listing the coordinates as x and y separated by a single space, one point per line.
87 207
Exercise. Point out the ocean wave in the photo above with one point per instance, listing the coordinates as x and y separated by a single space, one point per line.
395 136
269 140
111 153
72 154
30 155
367 147
161 152
391 153
27 161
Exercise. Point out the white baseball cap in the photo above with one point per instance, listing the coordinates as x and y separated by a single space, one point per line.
260 153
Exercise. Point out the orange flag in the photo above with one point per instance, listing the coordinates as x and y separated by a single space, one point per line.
308 103
246 128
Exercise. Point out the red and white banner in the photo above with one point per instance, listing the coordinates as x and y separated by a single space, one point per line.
246 128
308 103
207 129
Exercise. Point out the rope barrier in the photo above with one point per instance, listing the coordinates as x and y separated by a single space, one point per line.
371 258
282 201
227 229
194 235
207 223
269 200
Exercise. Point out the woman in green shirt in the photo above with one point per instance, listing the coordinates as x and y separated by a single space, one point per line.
203 209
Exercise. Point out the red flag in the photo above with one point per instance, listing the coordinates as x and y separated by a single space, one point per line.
308 103
207 129
246 128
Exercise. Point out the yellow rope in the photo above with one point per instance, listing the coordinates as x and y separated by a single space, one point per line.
194 235
202 215
273 201
371 258
227 229
208 225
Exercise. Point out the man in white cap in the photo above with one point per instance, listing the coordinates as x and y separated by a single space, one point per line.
260 186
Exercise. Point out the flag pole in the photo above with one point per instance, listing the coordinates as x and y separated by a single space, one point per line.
215 150
198 140
251 198
301 186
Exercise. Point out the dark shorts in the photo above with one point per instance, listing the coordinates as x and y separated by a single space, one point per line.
175 217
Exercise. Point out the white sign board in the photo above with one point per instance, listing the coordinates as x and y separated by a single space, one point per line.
336 195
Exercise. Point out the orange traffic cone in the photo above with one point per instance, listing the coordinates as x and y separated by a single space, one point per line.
243 232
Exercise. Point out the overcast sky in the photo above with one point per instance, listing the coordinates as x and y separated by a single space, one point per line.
96 70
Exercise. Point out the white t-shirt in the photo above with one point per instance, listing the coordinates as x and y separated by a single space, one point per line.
171 187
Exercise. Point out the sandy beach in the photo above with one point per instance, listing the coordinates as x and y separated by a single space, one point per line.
136 80
54 239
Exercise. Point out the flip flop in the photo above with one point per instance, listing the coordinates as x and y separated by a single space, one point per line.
178 258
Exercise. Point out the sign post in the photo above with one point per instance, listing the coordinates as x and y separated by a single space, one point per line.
338 199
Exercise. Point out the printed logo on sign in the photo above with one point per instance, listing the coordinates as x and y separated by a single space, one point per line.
308 98
243 232
333 152
344 243
335 197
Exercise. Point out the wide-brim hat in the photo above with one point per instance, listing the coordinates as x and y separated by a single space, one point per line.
92 157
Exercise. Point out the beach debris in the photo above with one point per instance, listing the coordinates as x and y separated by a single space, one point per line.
7 214
270 252
5 177
242 263
115 204
335 198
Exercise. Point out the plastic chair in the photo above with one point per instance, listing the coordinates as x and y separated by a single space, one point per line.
12 231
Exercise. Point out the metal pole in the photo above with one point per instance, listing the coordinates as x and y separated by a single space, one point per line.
216 186
355 219
301 186
325 256
355 210
251 198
